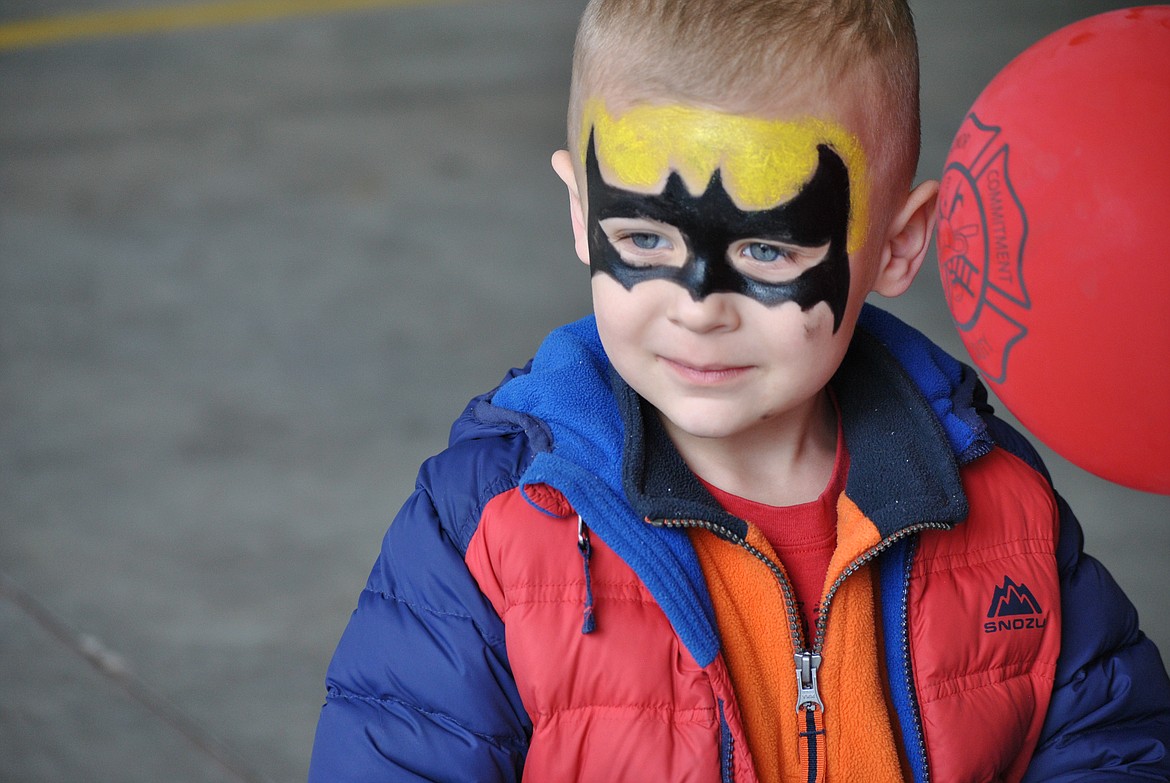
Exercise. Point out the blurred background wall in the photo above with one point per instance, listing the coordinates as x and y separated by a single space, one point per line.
254 258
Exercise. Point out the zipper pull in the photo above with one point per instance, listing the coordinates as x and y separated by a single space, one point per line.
808 697
589 624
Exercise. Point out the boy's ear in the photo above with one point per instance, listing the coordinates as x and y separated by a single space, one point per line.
562 163
908 241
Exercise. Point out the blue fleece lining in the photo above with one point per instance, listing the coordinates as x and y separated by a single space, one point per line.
892 574
568 390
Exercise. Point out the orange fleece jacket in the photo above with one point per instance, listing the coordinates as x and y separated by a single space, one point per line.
856 740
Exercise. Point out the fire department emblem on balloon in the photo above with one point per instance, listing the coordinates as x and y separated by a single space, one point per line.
982 235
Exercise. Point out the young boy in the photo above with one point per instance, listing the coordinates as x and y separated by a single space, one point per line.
740 525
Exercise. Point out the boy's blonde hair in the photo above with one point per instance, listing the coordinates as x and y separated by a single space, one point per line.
736 54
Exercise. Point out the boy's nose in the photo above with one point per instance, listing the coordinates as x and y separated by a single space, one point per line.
714 312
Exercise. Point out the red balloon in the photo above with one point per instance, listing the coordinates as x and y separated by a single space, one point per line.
1054 242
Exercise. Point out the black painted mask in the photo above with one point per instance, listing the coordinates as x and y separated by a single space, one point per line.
711 223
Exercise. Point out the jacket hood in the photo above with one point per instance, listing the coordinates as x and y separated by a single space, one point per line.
950 388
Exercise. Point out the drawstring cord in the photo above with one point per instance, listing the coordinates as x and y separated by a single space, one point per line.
589 625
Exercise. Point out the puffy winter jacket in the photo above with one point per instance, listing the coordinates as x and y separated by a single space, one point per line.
539 608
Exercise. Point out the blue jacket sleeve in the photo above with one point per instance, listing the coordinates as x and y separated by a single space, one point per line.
420 687
1109 718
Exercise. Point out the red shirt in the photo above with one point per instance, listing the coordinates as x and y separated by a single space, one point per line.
804 536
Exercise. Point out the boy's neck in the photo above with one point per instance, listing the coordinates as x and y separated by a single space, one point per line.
788 462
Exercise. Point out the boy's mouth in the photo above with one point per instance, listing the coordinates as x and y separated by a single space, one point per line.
705 375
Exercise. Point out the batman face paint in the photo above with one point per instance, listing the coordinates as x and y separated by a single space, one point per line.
791 241
726 249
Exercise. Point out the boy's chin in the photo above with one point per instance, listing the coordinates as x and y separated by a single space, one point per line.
700 424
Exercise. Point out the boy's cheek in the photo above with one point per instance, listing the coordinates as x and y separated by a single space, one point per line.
617 305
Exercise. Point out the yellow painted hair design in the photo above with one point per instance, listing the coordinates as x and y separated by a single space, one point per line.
763 163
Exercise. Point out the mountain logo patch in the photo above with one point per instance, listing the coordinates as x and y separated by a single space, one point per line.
1013 608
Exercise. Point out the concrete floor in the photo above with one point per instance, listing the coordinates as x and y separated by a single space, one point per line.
248 275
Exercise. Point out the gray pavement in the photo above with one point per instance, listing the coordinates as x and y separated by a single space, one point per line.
248 275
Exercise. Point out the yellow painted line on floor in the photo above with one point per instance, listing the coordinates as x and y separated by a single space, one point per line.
139 21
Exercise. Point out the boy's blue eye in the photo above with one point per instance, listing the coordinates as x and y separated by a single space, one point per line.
759 251
646 241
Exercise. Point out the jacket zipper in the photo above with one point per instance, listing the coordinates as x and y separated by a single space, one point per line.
726 749
808 661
